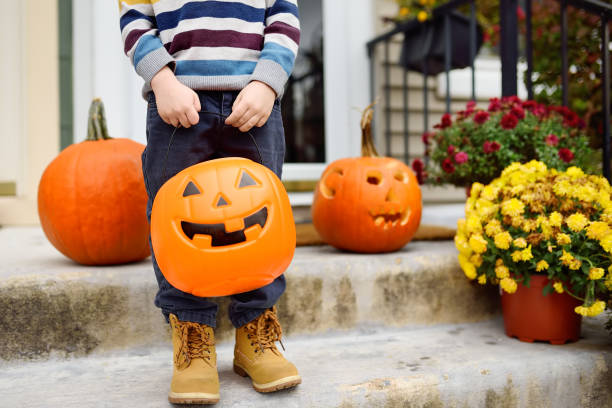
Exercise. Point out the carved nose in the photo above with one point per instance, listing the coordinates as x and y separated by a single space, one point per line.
221 201
391 196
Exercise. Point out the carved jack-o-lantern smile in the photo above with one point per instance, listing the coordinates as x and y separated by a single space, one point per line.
222 234
218 232
222 227
392 212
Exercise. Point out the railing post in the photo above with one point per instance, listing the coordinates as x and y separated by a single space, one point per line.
508 45
372 57
387 90
564 61
473 46
425 94
406 95
448 49
605 73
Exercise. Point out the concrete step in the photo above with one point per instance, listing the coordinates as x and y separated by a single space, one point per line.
466 365
52 306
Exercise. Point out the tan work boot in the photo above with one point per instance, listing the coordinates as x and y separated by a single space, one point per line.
256 355
195 379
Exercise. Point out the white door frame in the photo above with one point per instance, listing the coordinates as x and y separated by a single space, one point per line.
347 26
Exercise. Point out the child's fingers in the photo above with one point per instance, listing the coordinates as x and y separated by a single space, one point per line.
238 111
192 116
235 117
249 124
238 100
243 118
184 120
248 117
168 117
169 120
163 116
196 102
262 121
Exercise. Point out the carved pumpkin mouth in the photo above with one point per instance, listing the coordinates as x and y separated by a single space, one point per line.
390 218
253 225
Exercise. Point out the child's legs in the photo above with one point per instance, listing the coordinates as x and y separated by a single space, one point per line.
247 306
267 146
189 147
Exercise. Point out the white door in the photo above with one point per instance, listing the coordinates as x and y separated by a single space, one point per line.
101 69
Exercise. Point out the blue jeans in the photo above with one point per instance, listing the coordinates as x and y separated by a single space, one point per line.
209 139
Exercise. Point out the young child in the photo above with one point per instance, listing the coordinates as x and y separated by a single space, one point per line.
214 69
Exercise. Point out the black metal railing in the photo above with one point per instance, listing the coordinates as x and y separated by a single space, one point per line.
509 53
408 28
604 12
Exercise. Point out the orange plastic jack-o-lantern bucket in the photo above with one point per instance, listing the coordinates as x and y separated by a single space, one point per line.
222 227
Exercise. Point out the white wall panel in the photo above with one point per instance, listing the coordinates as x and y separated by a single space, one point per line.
101 69
11 99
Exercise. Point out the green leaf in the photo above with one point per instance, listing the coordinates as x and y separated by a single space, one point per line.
548 289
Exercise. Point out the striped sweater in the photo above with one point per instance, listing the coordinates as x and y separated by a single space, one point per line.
212 44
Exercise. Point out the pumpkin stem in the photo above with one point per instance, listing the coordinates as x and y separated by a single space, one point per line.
367 144
96 127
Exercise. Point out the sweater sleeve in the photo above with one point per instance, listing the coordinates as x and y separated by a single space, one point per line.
281 40
141 42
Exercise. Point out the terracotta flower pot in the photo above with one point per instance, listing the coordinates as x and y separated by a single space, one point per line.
530 316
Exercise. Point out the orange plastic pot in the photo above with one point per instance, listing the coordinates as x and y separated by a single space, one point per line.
530 316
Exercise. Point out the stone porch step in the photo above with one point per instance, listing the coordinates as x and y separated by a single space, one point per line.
51 306
466 365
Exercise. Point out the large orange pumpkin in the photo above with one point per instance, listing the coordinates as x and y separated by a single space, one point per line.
92 200
367 204
222 227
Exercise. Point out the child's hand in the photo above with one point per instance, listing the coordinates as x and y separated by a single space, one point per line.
176 103
252 106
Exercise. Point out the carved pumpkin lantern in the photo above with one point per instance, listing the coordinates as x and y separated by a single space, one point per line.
222 227
368 204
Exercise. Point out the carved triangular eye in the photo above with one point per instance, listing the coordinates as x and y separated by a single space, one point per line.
191 189
246 180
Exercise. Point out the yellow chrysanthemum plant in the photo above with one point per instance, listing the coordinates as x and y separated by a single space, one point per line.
535 220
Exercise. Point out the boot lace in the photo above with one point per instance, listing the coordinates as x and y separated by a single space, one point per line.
195 343
265 331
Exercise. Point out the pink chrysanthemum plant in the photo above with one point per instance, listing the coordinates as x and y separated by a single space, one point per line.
477 144
536 220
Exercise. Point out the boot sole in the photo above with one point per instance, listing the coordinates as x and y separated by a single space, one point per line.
201 398
283 383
